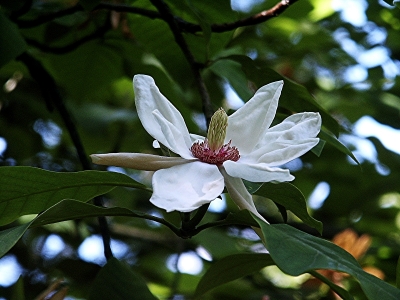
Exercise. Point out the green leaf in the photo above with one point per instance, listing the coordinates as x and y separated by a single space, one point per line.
331 139
27 190
72 209
296 252
289 196
11 41
9 237
117 281
62 211
317 150
230 268
232 72
85 77
294 97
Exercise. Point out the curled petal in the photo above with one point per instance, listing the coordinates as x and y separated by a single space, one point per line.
138 161
288 140
149 99
256 172
186 187
239 194
279 153
299 126
250 122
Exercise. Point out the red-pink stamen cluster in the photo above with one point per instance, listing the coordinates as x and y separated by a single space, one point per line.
202 151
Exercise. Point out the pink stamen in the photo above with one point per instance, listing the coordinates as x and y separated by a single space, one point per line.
202 151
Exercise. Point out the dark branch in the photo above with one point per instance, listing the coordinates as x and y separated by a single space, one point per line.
47 18
52 97
99 33
22 10
129 9
255 19
182 24
73 9
169 18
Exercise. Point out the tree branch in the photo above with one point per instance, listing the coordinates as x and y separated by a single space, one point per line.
255 19
52 96
73 9
99 33
182 24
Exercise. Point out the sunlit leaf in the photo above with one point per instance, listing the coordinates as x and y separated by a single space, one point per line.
296 252
232 72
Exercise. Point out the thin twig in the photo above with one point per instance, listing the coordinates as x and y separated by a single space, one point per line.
255 19
51 95
182 24
49 17
99 33
169 18
76 8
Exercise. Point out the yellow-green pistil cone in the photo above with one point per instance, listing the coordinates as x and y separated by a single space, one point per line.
217 130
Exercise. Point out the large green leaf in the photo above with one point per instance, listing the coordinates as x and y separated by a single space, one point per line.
237 266
291 198
11 41
117 281
72 209
27 190
230 268
296 252
62 211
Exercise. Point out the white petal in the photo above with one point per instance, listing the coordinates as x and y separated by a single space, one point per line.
295 127
172 135
288 140
279 153
137 161
250 122
196 138
256 172
156 144
186 187
239 194
148 99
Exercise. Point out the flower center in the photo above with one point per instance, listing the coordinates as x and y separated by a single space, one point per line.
213 150
203 152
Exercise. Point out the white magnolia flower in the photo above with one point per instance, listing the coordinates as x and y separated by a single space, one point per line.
239 146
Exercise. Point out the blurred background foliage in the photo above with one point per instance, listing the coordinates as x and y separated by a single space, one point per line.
345 53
